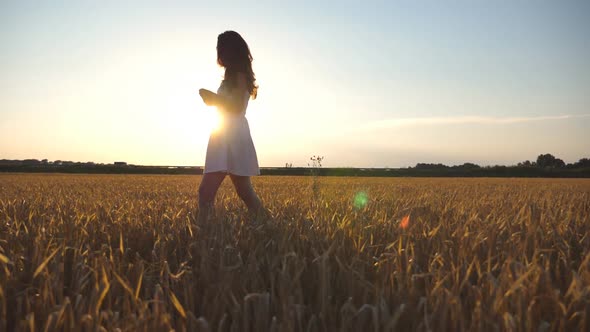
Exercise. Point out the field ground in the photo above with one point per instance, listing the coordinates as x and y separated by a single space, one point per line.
101 252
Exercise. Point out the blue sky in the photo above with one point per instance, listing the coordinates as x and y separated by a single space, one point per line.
367 84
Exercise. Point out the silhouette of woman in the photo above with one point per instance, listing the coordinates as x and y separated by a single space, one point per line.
230 149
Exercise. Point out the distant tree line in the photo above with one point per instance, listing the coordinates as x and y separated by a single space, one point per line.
543 161
548 160
65 166
546 165
43 162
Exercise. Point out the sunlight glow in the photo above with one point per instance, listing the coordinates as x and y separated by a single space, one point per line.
122 83
212 119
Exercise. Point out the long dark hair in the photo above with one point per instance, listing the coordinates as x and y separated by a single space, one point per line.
234 55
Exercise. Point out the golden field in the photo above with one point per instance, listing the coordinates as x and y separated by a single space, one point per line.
108 252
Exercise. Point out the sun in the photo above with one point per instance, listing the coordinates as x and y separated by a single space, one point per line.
204 121
189 121
211 120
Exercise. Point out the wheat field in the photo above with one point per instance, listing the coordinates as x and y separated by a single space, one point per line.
122 252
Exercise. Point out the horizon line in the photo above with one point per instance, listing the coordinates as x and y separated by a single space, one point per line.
88 163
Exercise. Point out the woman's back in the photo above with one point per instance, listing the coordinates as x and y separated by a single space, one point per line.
225 90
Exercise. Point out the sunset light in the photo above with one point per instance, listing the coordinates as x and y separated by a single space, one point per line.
420 86
211 119
294 165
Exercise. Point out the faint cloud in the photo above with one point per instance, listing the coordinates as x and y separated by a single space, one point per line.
435 121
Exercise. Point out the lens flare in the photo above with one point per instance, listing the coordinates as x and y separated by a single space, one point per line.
360 200
405 222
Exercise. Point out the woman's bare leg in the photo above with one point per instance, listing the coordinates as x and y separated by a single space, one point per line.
246 192
207 191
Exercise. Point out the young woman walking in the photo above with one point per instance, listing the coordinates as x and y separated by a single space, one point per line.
230 150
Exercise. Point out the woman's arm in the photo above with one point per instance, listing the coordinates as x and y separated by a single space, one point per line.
232 103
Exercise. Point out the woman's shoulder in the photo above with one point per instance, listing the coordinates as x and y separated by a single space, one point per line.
235 78
237 81
241 81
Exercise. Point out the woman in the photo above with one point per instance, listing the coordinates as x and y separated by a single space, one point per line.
230 149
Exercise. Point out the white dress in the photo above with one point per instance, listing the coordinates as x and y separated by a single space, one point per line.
230 148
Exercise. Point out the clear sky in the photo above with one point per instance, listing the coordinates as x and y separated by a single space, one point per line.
366 84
